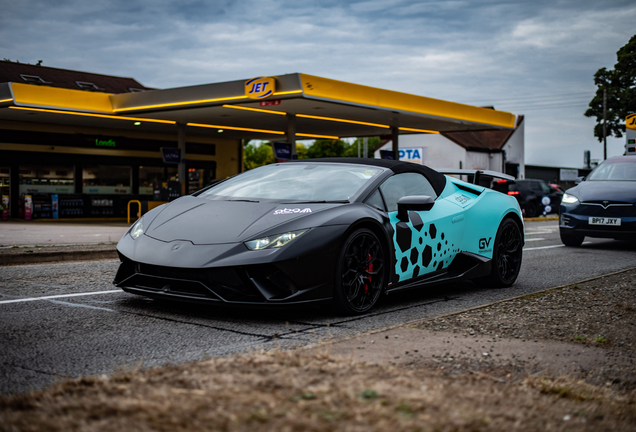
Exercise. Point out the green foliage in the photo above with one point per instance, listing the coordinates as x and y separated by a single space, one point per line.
620 84
255 155
339 148
259 154
327 148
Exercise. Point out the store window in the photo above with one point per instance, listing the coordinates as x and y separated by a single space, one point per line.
106 179
44 179
149 176
4 192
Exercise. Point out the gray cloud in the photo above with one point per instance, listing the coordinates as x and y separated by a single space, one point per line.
529 56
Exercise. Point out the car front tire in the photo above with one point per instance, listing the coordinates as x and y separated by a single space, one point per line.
571 239
360 273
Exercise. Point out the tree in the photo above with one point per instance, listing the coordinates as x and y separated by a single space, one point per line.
373 143
620 85
327 148
255 155
339 148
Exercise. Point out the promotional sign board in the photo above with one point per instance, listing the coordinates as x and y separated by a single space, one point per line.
5 207
386 154
171 155
407 154
412 154
28 207
566 174
55 206
283 151
630 136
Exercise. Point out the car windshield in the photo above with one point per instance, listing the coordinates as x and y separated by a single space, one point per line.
296 181
619 169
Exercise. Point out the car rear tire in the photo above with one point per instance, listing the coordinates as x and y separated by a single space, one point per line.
532 210
570 239
506 257
361 272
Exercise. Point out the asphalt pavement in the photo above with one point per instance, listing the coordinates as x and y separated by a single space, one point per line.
66 319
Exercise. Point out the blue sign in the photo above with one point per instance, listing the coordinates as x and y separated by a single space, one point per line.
171 154
386 154
283 151
55 206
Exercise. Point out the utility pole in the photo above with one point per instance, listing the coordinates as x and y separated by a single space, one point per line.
604 124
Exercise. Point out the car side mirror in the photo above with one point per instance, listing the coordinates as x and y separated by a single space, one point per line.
579 179
413 202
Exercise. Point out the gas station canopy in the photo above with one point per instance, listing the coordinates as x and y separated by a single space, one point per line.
282 108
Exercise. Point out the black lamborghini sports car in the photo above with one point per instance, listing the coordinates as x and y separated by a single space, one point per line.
339 231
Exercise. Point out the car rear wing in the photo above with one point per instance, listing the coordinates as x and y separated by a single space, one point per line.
490 179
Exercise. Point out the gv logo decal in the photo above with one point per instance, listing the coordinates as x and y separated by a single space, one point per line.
484 243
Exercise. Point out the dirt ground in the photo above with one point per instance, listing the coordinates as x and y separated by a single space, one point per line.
561 360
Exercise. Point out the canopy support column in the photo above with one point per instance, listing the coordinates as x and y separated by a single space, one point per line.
395 133
183 173
291 133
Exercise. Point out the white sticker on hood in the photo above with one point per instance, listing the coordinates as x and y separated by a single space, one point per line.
292 211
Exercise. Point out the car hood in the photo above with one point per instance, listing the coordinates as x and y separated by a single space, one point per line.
590 190
202 221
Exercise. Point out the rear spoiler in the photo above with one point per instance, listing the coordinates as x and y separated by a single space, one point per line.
477 174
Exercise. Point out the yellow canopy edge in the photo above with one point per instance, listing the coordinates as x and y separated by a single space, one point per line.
338 90
61 98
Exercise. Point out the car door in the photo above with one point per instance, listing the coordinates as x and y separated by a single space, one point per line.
430 239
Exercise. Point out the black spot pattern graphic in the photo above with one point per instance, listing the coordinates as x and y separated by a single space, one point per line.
405 264
416 221
414 256
427 255
403 234
421 249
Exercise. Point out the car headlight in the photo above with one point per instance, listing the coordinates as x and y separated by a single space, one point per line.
274 241
137 229
569 199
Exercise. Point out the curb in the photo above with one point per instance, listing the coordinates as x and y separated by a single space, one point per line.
48 257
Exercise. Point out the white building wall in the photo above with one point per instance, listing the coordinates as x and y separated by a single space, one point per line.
515 149
439 152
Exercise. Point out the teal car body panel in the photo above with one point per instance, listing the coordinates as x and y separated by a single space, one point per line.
464 218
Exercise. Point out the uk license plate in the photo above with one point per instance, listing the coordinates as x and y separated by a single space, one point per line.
605 221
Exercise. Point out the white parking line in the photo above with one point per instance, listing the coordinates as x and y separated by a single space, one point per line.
535 239
549 247
543 247
58 296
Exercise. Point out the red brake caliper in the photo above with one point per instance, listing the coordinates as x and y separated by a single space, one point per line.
369 270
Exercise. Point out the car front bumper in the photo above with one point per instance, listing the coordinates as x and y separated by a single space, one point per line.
575 220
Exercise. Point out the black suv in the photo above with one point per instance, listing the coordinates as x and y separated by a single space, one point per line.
535 196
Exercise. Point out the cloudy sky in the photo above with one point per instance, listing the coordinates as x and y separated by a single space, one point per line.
535 58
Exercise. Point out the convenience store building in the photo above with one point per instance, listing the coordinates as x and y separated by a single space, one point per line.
95 142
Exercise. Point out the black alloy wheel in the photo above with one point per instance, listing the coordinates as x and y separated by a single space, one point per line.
506 258
360 273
